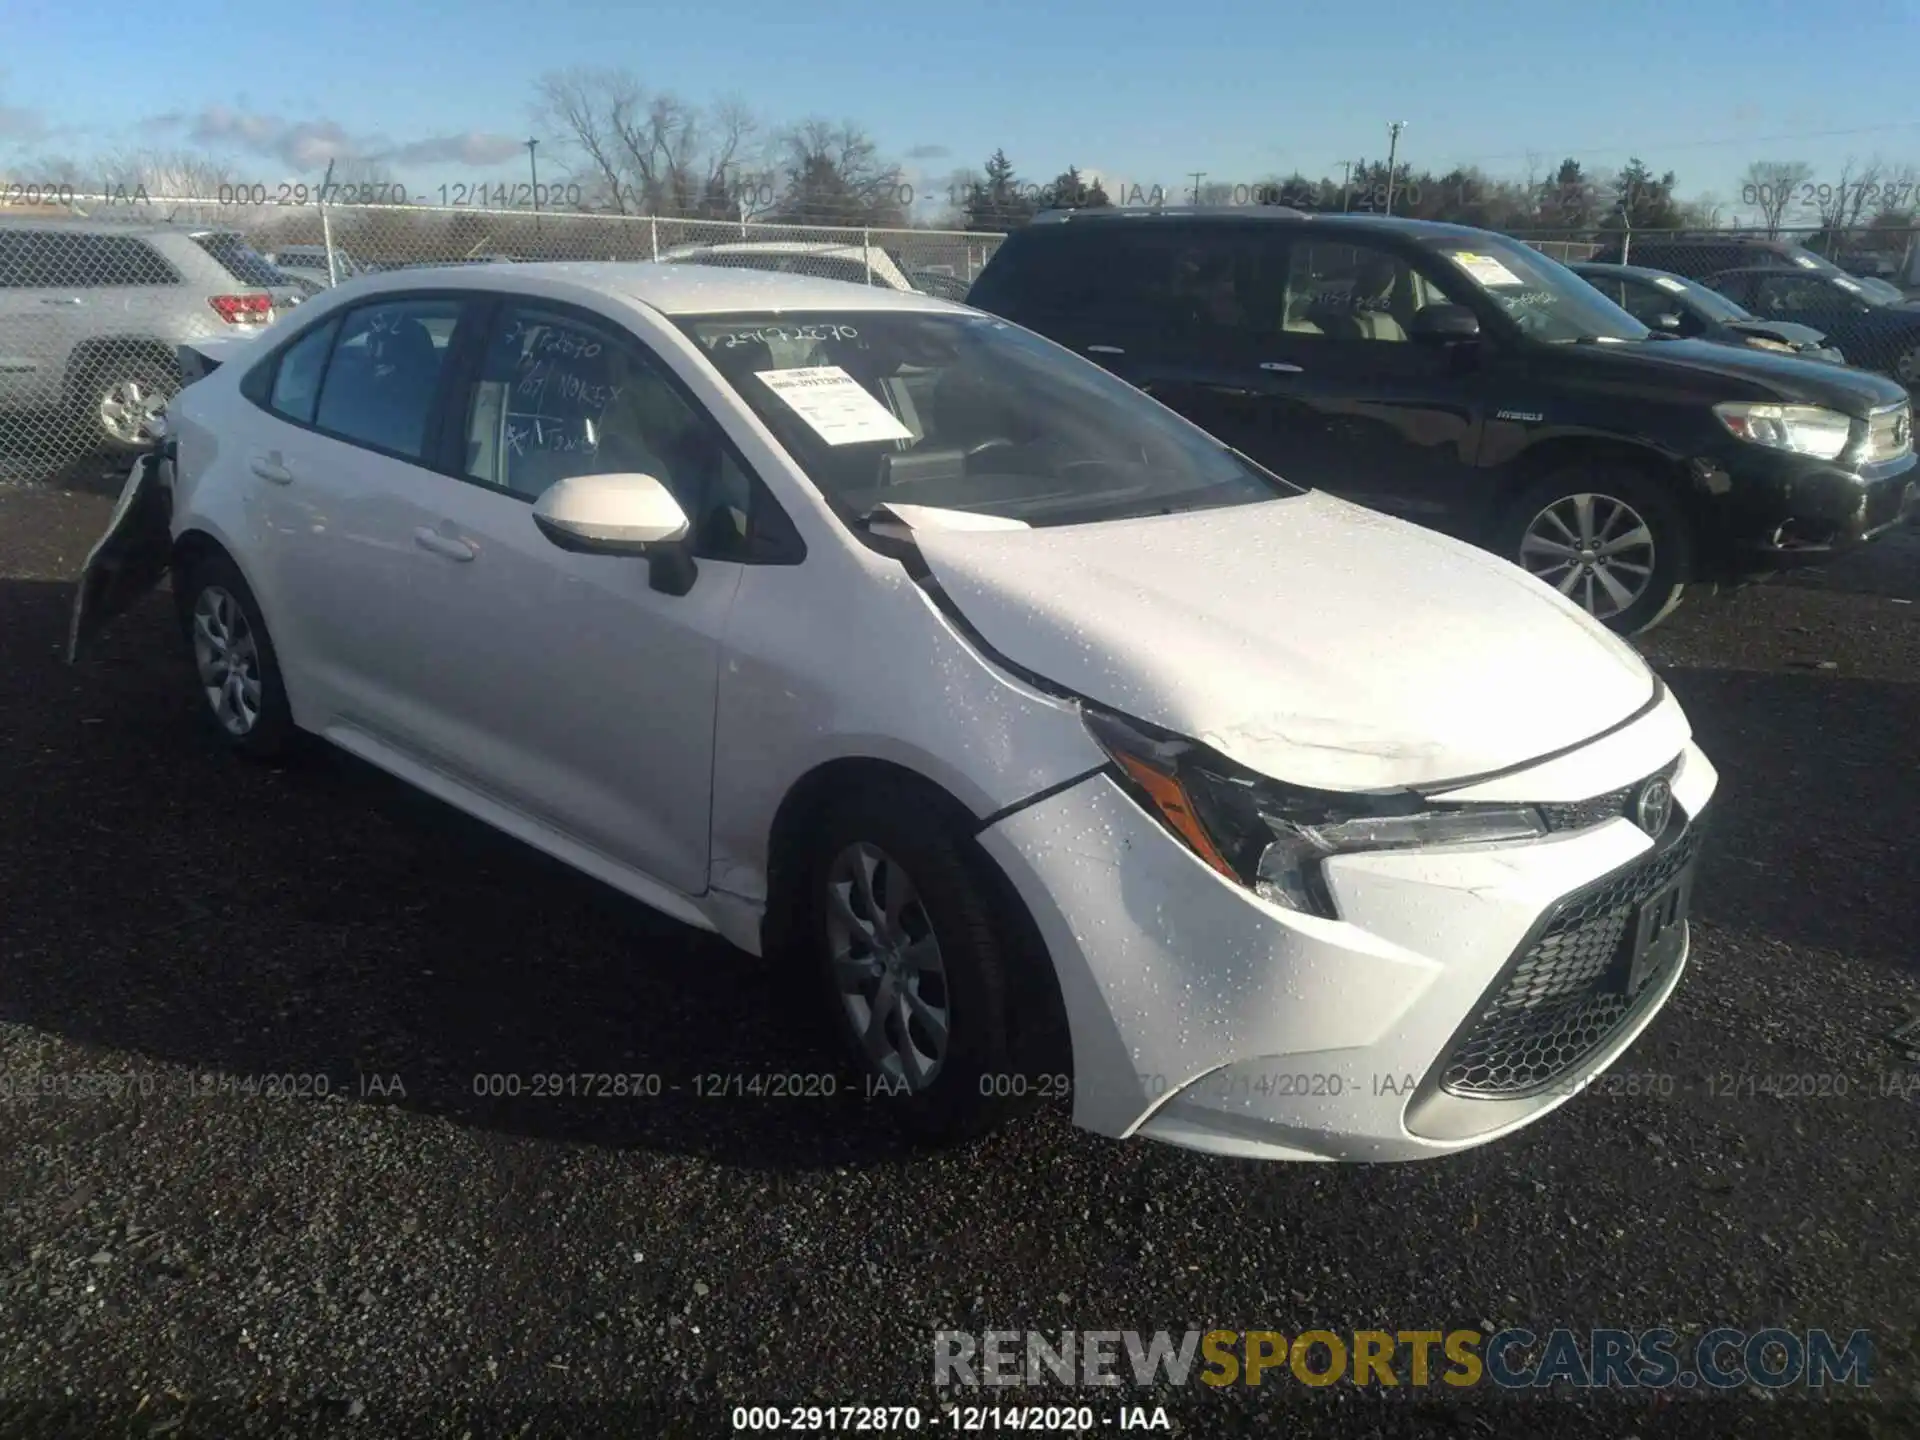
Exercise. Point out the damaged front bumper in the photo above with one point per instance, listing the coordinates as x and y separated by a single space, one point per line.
1205 1017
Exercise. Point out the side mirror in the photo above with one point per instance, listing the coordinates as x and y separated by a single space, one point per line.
1667 321
1440 324
625 514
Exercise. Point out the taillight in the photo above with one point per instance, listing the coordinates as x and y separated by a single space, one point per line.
243 309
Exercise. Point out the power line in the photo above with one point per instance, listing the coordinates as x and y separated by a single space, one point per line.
1664 146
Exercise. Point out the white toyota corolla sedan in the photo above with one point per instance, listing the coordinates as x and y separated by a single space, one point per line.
1070 748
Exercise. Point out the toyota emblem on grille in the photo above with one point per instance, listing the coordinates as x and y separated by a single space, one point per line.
1654 807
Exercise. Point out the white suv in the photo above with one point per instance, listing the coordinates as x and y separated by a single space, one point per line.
885 638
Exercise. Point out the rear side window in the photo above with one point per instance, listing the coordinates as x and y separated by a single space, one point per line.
78 260
26 260
384 373
296 379
122 260
240 259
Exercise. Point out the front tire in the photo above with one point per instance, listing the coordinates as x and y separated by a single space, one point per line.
913 958
1610 537
234 664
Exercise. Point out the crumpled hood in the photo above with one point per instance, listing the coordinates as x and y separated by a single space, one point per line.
1311 640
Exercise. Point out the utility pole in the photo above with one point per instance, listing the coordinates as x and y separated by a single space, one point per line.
1346 181
534 167
1198 176
1393 148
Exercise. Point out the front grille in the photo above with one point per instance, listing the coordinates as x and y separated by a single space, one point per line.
1579 814
1558 1003
1889 433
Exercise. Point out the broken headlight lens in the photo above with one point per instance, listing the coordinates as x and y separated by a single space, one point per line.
1272 837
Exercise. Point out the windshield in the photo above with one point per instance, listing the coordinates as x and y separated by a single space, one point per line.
1548 301
1710 303
966 412
1883 291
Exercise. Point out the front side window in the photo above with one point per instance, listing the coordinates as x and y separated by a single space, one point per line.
384 372
966 412
1362 292
560 396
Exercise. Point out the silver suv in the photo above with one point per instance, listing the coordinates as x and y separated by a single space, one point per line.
91 318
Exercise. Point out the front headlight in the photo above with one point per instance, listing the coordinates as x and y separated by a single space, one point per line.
1272 837
1803 429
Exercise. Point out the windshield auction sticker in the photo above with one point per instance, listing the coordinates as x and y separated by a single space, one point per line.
1485 269
832 402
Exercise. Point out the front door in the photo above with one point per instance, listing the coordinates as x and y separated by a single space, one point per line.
1349 401
565 684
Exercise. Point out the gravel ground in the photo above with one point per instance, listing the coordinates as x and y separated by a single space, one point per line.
404 1256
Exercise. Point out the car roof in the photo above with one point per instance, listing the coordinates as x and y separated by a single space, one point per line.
671 288
769 247
1411 227
144 230
1631 272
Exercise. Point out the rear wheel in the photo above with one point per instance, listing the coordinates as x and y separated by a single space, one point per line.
234 664
1609 537
1907 368
115 395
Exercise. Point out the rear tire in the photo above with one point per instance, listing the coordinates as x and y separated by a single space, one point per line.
112 394
912 957
235 668
1610 537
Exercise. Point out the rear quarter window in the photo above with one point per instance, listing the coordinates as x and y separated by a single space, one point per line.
241 260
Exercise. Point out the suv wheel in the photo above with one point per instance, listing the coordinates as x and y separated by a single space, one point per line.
1907 368
234 663
117 394
910 952
1610 538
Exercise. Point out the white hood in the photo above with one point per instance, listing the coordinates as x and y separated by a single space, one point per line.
1311 640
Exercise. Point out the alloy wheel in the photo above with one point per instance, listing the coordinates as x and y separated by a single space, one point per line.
228 659
887 966
1907 368
1596 550
127 406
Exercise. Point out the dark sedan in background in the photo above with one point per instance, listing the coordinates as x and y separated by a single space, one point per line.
1663 301
1873 333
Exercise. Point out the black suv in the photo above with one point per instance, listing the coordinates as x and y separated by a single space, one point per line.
1464 380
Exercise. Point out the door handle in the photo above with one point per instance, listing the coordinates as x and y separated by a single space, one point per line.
1280 367
268 468
1105 350
445 546
62 300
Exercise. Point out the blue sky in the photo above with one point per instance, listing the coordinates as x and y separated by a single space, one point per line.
1141 93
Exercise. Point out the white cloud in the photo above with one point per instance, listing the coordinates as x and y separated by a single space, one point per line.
309 145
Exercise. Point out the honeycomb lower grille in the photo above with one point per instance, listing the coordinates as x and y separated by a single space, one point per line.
1559 1004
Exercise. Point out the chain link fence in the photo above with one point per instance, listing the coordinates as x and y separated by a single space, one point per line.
96 295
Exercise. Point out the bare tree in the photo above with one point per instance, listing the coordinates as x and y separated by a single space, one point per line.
1773 188
639 153
182 174
834 176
